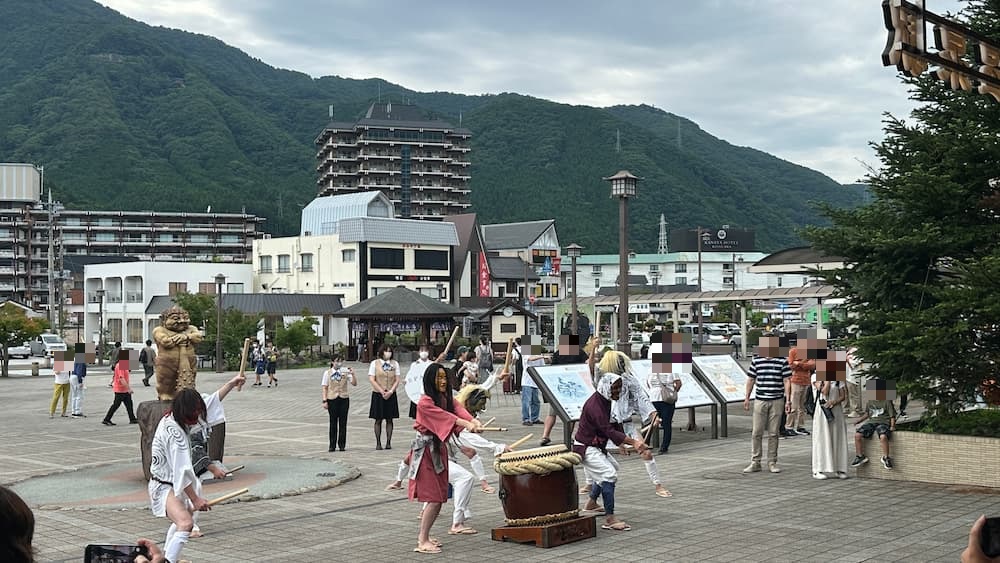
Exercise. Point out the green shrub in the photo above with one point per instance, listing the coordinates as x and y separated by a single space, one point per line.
980 422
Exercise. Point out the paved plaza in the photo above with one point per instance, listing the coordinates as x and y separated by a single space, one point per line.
716 514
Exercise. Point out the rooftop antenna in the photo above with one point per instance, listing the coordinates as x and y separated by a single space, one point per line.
331 112
459 118
662 247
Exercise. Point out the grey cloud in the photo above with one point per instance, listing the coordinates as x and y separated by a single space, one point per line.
801 80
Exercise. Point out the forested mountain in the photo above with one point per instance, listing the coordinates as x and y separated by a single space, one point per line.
128 116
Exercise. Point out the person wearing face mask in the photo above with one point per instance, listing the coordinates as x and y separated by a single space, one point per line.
383 374
336 401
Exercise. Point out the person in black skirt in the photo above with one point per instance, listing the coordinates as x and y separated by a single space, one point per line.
383 373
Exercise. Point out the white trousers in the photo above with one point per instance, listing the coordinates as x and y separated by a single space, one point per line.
600 467
461 481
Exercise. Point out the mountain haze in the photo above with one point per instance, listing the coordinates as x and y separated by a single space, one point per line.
128 116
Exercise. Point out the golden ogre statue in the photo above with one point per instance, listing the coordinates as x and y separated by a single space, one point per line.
175 359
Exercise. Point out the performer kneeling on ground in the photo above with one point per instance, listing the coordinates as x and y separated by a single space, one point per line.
591 441
174 490
438 418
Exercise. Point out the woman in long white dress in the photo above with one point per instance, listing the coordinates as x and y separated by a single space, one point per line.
829 439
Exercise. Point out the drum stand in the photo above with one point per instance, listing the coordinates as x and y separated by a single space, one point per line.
550 535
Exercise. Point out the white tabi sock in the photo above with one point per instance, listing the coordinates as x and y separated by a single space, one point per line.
170 533
654 473
172 549
402 471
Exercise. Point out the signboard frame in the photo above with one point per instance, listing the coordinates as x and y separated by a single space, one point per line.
711 379
559 397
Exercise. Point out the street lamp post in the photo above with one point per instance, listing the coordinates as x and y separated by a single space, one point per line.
440 288
701 335
220 279
100 326
623 187
573 250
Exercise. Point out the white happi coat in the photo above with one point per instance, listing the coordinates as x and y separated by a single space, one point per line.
171 457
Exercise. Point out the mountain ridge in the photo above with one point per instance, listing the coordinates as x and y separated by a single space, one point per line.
124 115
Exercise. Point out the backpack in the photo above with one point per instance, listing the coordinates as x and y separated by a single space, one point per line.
143 358
484 355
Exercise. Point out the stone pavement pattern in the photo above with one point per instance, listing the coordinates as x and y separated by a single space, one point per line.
716 514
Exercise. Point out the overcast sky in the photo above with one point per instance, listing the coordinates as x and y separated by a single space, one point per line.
800 79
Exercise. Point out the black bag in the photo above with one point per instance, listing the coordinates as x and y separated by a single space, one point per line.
142 357
810 401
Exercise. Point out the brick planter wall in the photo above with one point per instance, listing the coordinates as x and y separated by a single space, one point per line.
936 458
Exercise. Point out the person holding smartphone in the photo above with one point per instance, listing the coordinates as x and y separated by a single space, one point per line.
336 400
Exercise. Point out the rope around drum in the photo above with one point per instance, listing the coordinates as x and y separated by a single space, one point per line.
542 520
540 466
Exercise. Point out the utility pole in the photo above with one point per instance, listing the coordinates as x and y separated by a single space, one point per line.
53 320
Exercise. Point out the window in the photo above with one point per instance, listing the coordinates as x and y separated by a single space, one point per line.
654 267
234 288
176 287
387 258
307 262
106 223
348 255
681 280
284 263
430 259
265 264
104 237
229 239
72 221
508 328
726 267
115 330
511 288
595 269
597 284
779 281
199 239
165 237
208 288
135 330
727 280
680 268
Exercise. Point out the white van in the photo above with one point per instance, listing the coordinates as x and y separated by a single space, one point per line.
46 344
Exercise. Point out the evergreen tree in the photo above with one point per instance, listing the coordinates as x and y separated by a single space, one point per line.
922 261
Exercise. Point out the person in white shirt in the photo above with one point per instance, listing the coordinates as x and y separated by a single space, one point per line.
531 404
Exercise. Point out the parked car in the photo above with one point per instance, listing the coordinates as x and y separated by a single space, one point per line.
22 351
46 344
791 330
710 335
636 342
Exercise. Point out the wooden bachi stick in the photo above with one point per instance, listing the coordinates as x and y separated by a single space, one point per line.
521 441
243 361
493 429
228 496
490 421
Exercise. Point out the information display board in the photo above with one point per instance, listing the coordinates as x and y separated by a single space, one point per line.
691 394
724 374
566 387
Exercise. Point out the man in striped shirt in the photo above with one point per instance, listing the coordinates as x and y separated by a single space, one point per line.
770 371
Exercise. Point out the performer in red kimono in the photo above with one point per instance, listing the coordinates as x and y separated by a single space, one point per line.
439 418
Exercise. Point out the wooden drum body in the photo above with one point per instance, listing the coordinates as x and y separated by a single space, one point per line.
538 486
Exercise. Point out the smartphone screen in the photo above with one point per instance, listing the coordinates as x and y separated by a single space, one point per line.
103 553
989 538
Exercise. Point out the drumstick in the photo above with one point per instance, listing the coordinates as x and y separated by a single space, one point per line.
510 349
492 429
649 433
228 496
243 361
521 441
488 422
237 468
451 341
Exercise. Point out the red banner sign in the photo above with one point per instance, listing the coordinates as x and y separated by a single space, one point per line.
484 276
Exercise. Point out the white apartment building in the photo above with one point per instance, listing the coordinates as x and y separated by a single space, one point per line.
119 293
719 271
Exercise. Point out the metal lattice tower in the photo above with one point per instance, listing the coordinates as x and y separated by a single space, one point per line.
662 247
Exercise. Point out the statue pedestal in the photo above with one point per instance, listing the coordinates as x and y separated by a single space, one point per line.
149 414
